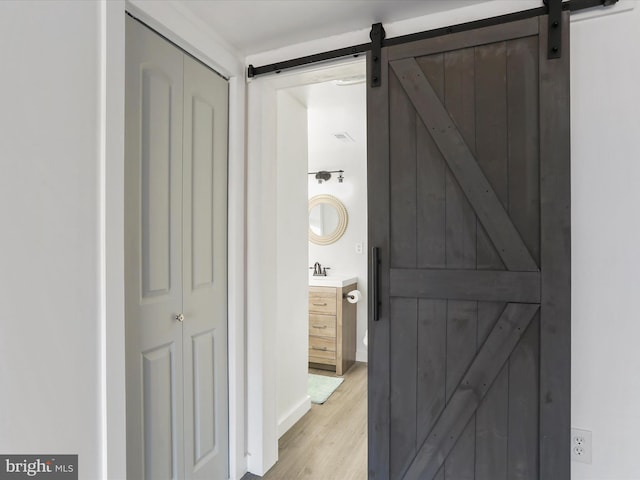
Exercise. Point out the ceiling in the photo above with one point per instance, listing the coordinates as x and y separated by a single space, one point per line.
333 93
254 26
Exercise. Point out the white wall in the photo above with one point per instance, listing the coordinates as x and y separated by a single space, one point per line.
605 142
327 153
50 339
292 238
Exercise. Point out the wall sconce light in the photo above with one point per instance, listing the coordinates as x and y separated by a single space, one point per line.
325 176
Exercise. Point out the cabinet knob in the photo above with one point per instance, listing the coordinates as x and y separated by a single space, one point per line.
180 317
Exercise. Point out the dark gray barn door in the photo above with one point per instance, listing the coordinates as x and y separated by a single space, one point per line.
469 208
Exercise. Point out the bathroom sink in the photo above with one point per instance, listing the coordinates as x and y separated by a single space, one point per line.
331 281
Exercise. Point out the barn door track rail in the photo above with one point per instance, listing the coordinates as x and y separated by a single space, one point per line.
553 8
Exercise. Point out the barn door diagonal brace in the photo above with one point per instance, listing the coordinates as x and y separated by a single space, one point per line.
377 35
471 390
555 28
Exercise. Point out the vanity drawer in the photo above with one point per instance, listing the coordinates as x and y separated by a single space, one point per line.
322 300
322 325
322 347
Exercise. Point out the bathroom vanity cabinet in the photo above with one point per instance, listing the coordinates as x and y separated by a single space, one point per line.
332 327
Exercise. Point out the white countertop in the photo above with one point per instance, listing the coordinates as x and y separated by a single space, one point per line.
331 281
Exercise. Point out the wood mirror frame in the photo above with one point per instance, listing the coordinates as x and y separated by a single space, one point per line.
334 236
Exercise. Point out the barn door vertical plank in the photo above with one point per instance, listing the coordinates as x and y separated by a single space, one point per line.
523 406
555 234
404 339
492 156
492 415
440 474
432 336
491 136
403 173
524 210
524 171
461 339
404 311
459 98
431 179
460 218
378 235
460 103
492 431
432 314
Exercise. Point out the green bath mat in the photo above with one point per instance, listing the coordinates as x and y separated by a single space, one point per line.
320 387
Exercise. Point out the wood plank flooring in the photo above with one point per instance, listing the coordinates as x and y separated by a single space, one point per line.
330 441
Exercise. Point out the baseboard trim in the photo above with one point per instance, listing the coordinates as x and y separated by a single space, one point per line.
295 414
362 356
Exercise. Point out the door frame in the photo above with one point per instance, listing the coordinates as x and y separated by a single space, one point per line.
180 27
262 421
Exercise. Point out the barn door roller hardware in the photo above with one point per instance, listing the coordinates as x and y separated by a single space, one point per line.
553 8
554 28
377 35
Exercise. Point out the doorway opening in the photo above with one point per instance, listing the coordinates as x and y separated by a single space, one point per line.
321 126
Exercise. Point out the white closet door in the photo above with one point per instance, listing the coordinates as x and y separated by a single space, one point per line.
205 272
153 255
176 263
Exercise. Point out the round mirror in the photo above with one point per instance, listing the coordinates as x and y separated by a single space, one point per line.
327 219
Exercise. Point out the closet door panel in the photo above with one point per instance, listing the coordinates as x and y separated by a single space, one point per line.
204 402
155 185
202 192
153 255
205 272
159 418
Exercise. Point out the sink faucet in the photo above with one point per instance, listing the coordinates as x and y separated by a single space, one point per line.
318 271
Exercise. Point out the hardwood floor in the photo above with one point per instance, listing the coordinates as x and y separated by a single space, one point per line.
330 441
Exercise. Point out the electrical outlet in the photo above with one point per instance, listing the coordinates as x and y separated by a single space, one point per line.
358 247
580 445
